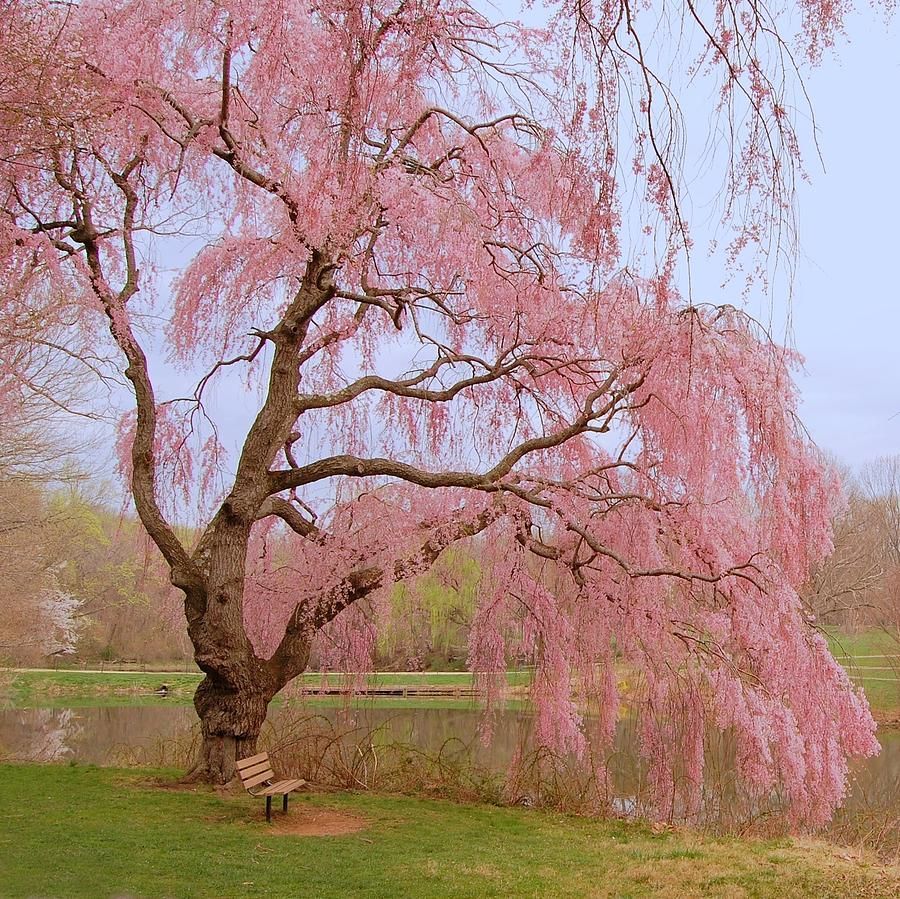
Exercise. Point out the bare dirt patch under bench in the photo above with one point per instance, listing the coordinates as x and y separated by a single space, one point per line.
316 822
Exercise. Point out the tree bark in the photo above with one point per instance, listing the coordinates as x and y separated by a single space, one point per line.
232 711
231 718
232 700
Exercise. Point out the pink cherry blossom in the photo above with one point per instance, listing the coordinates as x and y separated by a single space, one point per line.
404 233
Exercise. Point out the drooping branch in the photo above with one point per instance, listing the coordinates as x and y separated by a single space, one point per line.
387 156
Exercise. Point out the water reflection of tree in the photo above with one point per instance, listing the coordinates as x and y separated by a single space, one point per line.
38 735
90 735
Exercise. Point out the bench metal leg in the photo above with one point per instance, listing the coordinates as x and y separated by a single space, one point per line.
269 809
284 803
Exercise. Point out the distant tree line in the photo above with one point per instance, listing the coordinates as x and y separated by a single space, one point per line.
80 579
78 576
858 585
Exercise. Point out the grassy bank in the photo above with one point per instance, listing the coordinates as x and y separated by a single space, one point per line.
871 657
76 831
49 688
73 688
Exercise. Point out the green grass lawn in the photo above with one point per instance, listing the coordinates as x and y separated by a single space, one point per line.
88 832
872 657
872 641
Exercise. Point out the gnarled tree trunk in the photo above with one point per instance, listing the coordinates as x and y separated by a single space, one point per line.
230 721
233 699
232 712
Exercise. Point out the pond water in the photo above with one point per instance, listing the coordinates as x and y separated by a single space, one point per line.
156 734
103 735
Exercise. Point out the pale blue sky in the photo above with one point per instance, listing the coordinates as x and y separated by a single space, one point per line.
846 304
842 310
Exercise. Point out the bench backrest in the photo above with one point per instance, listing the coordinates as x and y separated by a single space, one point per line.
255 770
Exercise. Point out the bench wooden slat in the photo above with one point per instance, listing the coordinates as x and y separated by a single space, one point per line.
252 760
262 777
283 786
255 769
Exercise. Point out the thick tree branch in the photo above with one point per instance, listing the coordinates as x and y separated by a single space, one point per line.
357 585
143 457
354 466
288 513
274 422
409 387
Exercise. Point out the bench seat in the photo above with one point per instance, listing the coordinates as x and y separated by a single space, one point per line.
280 786
258 779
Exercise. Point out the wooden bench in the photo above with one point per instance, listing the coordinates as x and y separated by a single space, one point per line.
256 771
